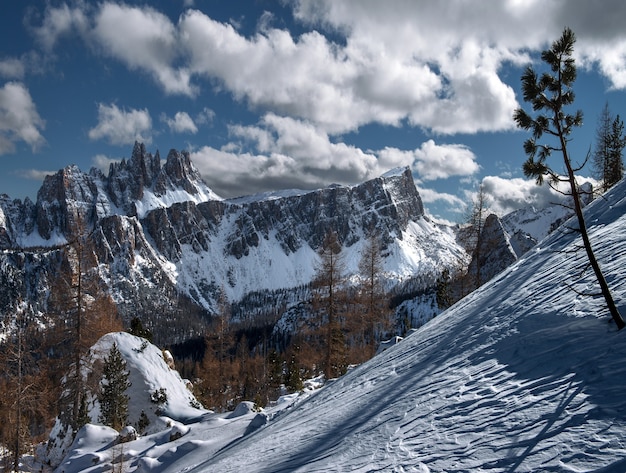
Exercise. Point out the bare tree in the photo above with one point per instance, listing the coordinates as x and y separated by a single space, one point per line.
84 312
374 299
551 93
328 282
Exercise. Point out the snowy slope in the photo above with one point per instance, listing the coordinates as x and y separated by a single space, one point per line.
522 375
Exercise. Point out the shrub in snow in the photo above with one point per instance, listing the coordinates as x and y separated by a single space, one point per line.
127 434
159 396
143 422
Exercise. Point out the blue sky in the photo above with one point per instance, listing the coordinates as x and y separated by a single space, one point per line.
296 94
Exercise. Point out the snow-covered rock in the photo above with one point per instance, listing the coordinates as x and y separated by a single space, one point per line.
158 396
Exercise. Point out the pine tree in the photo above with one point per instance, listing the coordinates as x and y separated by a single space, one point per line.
443 296
113 398
551 93
617 142
610 142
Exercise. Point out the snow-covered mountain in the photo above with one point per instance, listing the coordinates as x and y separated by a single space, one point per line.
522 375
160 236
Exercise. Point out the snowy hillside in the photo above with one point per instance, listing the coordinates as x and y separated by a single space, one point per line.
522 375
149 375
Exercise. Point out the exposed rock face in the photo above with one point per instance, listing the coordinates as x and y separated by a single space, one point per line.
160 234
496 252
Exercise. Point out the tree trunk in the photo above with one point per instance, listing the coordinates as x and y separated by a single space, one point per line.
606 292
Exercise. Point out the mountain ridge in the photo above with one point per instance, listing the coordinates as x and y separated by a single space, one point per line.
153 224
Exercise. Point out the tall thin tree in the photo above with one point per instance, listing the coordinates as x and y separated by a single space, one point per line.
610 142
374 299
617 142
549 95
328 282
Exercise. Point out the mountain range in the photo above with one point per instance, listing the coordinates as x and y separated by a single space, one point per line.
168 249
524 374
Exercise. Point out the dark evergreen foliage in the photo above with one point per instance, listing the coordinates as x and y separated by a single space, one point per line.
113 398
137 329
610 142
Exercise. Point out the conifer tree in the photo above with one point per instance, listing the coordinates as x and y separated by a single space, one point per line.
549 95
374 299
328 282
617 142
607 158
113 398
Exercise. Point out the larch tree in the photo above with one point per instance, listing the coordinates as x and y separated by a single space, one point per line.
472 235
374 299
550 94
329 284
84 313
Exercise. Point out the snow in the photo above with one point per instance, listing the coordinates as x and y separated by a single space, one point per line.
151 201
521 375
149 372
269 195
33 240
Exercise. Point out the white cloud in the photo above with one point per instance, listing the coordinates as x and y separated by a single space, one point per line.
432 161
34 174
121 127
144 39
19 119
206 116
282 152
103 162
436 66
60 21
12 68
181 123
507 195
430 196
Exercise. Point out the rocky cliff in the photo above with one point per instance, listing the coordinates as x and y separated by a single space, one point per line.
164 244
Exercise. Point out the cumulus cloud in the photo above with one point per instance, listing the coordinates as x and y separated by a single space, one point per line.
19 119
34 174
281 152
206 116
432 161
181 123
143 39
439 68
430 196
507 195
122 127
103 162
